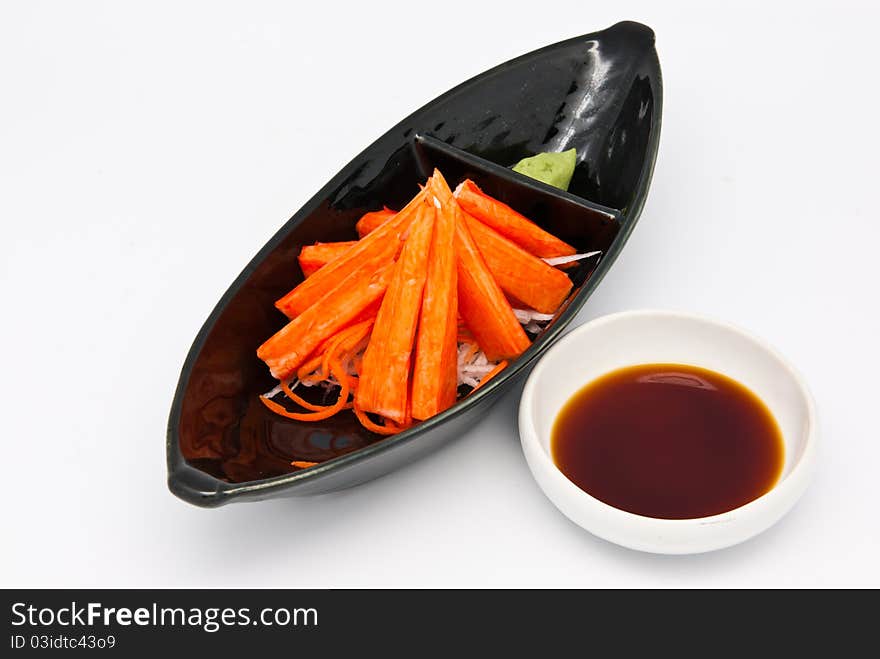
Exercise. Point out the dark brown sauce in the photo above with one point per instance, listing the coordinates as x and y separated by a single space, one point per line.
668 440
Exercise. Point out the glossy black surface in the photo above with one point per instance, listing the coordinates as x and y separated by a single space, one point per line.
599 93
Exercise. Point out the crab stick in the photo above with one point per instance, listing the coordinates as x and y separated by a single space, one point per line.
373 220
384 243
289 348
313 257
520 275
540 286
385 372
434 373
481 302
509 223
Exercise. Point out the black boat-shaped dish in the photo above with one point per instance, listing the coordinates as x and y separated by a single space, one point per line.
600 93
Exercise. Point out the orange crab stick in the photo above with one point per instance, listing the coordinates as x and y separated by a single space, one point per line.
509 223
522 276
373 220
385 243
526 280
435 378
482 304
289 348
313 257
384 380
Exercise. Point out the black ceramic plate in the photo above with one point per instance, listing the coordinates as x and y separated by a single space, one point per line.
600 93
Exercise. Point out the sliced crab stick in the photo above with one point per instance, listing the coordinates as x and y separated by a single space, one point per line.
373 220
509 223
523 277
287 349
313 257
385 372
385 243
435 379
541 286
481 302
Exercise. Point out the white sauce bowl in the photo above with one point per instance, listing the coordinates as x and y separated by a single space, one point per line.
643 337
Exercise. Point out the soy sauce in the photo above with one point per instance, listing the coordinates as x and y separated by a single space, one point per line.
668 440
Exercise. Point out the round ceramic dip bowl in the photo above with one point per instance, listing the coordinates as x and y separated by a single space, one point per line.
644 337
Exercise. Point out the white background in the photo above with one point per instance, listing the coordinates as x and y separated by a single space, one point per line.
148 150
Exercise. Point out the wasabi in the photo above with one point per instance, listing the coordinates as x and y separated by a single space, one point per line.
555 169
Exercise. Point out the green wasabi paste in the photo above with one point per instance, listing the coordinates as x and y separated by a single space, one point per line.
555 169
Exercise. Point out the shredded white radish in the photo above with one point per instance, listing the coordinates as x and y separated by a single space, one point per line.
532 321
274 391
559 260
526 315
472 367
